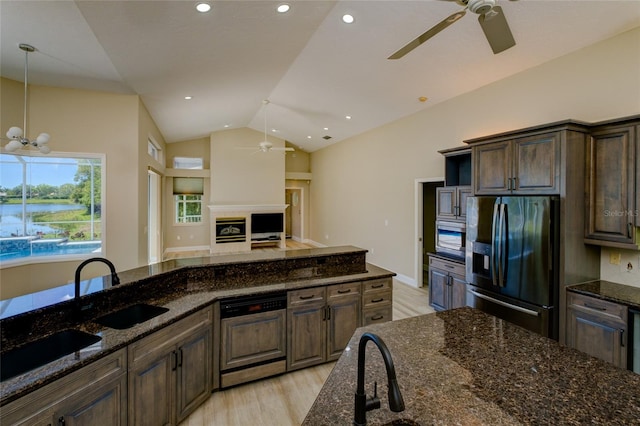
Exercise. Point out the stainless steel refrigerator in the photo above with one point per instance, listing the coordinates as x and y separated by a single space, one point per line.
512 259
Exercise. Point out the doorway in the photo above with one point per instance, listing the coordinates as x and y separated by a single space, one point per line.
154 220
425 224
294 213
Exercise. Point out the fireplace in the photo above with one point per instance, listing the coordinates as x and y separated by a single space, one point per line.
231 230
242 227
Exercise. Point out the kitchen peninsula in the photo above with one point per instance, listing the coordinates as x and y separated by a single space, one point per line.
466 367
179 354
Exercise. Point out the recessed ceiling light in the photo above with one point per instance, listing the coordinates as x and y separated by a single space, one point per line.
274 130
348 19
226 125
348 117
283 8
326 128
188 98
203 7
423 99
308 137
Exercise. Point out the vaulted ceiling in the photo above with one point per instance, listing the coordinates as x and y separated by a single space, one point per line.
312 67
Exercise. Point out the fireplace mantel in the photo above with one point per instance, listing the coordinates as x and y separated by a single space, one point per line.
243 211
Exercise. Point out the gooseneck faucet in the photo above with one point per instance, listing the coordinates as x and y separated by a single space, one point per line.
364 404
115 280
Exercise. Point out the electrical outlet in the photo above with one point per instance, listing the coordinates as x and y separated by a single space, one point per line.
615 257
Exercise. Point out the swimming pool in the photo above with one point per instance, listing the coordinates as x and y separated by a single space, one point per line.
25 247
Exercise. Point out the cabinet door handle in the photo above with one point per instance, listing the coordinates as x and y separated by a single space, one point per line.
508 183
622 337
181 356
174 356
61 421
377 285
348 290
307 297
630 230
328 313
598 308
515 183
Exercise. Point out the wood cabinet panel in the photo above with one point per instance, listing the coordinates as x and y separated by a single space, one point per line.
251 339
343 319
523 165
307 335
491 168
611 189
598 328
377 315
170 371
95 394
447 284
445 202
536 164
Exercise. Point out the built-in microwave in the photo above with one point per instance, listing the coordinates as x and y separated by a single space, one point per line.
450 238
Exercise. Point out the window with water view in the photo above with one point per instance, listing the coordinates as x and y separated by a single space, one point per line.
50 206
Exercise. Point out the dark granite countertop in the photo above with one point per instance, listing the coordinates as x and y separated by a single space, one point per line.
612 292
465 367
183 287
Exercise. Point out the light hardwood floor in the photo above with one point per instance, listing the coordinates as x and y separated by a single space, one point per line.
285 400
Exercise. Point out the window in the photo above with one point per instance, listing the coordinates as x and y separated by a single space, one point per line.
153 149
192 163
188 208
50 206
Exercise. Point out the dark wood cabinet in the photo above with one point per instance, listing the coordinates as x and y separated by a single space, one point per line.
377 301
598 328
447 284
451 202
611 188
95 394
525 165
320 323
171 371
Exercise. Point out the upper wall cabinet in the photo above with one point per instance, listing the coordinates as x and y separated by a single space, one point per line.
612 185
525 165
451 200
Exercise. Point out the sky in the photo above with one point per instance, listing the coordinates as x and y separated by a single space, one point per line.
51 170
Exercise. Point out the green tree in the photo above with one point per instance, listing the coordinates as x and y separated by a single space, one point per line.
82 192
66 190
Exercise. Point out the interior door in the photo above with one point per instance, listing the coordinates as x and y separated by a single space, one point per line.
154 222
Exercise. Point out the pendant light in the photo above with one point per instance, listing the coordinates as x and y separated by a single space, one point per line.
16 134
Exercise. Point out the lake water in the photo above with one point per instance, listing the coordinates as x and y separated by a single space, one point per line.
11 217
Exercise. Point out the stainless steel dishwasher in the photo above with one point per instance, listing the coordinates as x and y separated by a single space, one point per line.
253 332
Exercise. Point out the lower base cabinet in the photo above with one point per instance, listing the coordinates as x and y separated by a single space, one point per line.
447 284
170 371
598 328
93 395
320 323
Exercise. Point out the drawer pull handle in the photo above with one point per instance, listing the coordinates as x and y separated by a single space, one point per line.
377 300
307 297
622 337
348 290
377 286
599 308
377 317
449 266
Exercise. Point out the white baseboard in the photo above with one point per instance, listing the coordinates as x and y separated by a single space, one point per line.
180 249
314 243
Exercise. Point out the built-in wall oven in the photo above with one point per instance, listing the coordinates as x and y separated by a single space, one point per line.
253 338
451 238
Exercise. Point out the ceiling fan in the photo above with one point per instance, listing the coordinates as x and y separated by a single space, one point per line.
265 145
491 18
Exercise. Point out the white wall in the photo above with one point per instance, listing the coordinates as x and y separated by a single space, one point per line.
363 188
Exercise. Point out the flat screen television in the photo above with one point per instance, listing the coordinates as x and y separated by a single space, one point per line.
267 222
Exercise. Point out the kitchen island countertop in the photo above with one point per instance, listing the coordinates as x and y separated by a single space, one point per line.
466 367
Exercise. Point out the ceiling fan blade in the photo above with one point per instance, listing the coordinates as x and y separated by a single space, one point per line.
428 34
497 30
275 148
